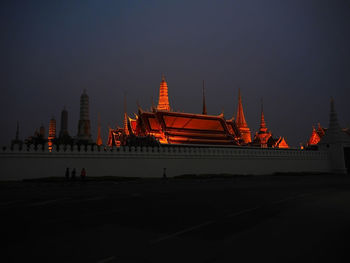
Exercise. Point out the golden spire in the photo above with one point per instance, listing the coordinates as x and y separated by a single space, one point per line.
204 112
126 130
241 122
163 102
240 119
99 139
263 128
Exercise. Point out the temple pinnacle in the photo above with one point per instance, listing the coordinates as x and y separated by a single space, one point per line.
204 111
262 120
163 102
241 122
126 130
240 119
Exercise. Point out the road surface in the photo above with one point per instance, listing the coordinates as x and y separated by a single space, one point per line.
242 219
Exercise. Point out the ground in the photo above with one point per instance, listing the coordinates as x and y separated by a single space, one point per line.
295 218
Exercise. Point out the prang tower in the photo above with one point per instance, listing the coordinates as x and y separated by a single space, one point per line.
64 123
84 128
163 102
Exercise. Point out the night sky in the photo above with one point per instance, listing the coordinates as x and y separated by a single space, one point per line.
293 54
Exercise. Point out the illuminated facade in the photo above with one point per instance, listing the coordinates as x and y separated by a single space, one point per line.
316 135
183 128
264 139
164 126
52 133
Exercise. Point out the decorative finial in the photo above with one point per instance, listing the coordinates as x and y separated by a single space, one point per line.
204 111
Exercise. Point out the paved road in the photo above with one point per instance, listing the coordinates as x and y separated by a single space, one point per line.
244 219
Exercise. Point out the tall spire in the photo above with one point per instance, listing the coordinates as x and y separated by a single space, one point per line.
84 128
64 123
204 111
99 138
125 127
241 122
240 119
163 102
263 128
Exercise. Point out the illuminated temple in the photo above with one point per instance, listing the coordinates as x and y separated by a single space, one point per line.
162 125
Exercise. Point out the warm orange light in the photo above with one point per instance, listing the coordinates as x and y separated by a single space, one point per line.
163 102
281 143
314 138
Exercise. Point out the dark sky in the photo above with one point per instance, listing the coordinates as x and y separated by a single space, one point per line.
293 54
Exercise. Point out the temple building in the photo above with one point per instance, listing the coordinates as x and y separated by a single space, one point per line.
264 139
84 128
318 134
164 126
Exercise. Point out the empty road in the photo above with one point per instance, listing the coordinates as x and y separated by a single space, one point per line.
238 219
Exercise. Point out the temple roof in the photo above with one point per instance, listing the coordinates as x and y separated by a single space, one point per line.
178 127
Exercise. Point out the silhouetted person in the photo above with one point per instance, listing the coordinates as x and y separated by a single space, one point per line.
73 174
164 173
83 174
67 173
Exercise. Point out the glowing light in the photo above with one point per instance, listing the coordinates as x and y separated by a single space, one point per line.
163 102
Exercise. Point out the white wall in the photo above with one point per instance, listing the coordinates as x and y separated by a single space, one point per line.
149 162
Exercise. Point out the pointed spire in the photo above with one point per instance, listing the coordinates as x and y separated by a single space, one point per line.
334 133
241 123
263 128
204 111
163 102
240 119
99 138
126 130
